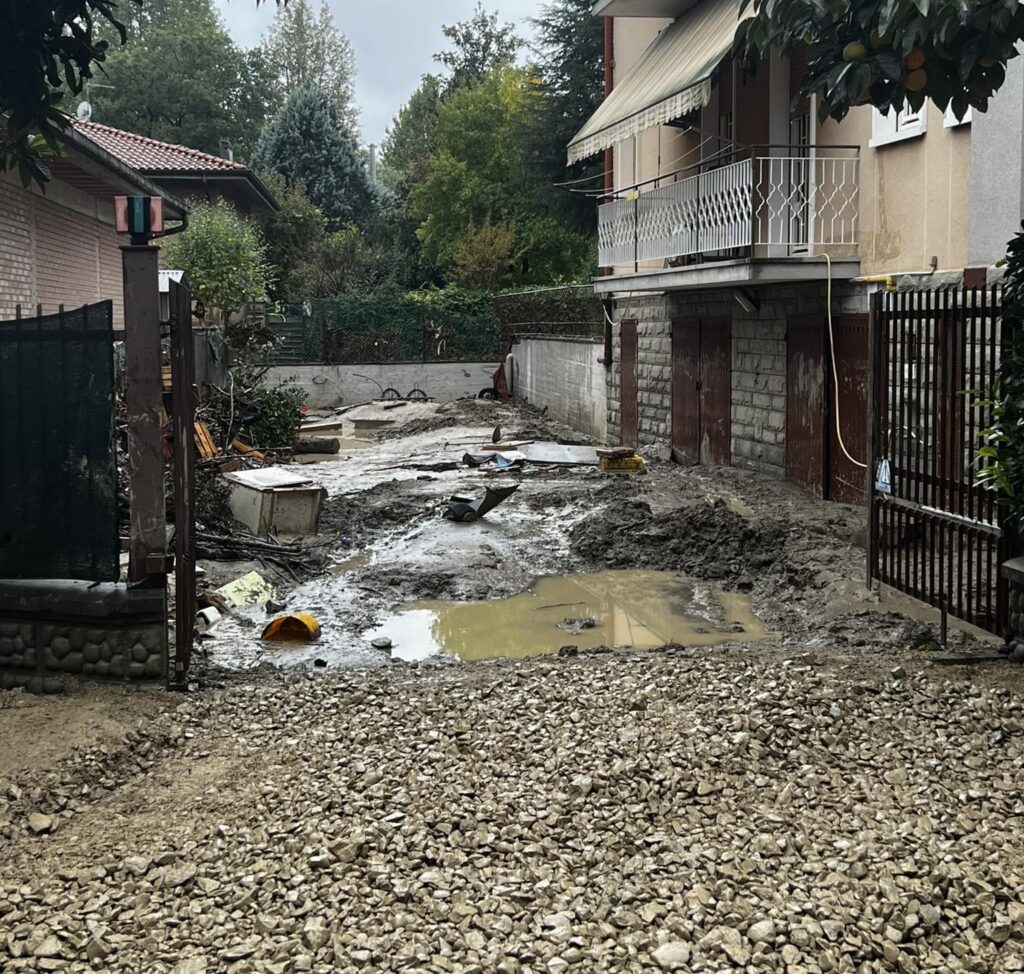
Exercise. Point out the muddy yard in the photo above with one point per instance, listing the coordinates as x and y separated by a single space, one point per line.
720 754
678 555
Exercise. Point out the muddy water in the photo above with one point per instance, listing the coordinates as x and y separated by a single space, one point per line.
634 609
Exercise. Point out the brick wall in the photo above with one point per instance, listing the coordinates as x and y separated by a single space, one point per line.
55 250
15 249
758 407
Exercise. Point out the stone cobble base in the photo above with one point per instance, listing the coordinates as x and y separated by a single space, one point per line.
51 629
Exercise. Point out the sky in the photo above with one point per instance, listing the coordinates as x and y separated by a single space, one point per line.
394 42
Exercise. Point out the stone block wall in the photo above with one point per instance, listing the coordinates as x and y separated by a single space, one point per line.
52 628
758 406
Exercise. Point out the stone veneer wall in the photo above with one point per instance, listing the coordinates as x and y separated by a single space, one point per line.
758 363
51 628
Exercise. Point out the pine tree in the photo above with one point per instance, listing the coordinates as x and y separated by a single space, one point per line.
308 146
309 49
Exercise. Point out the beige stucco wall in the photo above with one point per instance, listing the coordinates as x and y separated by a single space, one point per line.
913 194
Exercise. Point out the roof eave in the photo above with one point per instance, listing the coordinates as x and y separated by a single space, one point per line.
257 185
175 208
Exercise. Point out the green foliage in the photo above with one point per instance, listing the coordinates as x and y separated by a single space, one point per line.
223 257
409 141
1002 450
891 53
308 146
292 235
480 173
304 48
484 257
46 46
181 79
480 45
570 48
273 417
566 311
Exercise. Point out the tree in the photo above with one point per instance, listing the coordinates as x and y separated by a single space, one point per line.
409 141
304 48
219 97
480 44
48 50
570 50
223 256
480 175
889 53
484 257
308 146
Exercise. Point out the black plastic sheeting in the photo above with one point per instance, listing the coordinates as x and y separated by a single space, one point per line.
58 475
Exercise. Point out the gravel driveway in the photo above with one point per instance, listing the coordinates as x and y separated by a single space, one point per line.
674 810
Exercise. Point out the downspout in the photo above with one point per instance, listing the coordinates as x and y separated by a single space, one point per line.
609 176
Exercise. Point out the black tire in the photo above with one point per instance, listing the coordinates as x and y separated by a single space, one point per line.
489 393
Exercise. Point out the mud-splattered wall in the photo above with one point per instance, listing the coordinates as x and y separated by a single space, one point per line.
757 363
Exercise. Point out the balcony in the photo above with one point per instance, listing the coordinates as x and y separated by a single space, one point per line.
777 204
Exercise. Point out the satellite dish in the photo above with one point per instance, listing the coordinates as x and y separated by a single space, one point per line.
84 111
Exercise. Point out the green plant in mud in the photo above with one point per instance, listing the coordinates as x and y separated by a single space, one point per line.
1001 455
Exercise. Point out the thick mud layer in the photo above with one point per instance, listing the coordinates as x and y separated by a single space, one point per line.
799 561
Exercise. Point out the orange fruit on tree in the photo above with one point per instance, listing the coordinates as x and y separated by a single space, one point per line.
914 59
855 51
916 80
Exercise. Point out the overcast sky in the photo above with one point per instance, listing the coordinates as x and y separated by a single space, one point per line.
394 41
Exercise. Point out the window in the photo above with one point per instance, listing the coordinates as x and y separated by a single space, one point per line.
951 121
896 126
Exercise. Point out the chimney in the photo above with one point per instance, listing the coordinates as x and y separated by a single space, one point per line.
226 152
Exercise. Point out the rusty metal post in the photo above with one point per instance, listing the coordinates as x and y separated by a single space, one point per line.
183 423
143 392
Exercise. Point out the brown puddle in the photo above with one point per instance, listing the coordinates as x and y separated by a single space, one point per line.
633 609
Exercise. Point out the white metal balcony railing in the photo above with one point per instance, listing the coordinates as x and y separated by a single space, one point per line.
768 206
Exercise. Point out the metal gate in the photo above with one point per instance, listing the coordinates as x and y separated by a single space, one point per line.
58 480
934 533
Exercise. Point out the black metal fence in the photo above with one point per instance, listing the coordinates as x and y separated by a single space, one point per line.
935 532
58 479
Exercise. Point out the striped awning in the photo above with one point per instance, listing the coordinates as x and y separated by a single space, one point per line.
672 78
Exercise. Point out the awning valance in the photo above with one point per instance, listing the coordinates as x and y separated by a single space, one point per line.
672 78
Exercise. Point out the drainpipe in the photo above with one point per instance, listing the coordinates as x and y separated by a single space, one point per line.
609 153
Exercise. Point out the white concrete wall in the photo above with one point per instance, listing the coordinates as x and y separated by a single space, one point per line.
339 385
566 376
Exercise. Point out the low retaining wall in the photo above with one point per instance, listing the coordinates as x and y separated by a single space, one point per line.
49 628
565 375
339 385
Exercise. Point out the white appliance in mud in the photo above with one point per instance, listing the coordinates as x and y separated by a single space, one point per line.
275 501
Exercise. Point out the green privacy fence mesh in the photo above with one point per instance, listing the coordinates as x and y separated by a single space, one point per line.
363 331
58 481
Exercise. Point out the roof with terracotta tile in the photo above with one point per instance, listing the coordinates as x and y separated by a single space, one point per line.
149 156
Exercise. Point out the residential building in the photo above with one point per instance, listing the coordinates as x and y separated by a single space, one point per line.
732 223
57 242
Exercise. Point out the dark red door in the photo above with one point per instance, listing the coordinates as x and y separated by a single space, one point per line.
702 390
686 390
716 391
806 391
847 479
629 421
